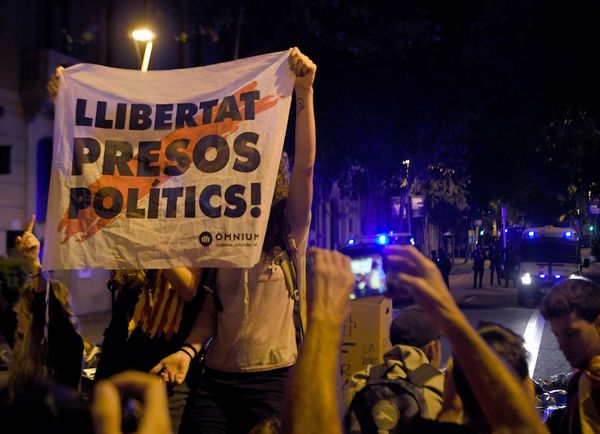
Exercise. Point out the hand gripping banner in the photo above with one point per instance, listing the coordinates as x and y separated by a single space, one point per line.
162 169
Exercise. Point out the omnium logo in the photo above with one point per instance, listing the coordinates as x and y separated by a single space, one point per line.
236 236
206 238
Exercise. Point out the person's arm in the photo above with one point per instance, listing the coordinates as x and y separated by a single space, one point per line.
301 189
491 381
54 83
311 401
452 407
184 280
65 345
29 247
174 367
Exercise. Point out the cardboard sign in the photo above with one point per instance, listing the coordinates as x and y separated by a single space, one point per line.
365 336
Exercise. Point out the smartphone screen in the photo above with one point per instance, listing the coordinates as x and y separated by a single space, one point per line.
369 276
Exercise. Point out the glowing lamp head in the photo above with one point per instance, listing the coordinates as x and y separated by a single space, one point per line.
143 35
526 279
412 241
542 276
557 276
531 234
351 241
568 234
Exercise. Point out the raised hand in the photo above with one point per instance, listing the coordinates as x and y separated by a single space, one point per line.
29 246
412 271
330 285
304 68
144 388
54 83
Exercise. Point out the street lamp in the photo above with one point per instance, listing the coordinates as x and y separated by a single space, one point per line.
147 36
407 199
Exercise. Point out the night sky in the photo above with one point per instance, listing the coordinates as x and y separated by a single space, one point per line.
492 101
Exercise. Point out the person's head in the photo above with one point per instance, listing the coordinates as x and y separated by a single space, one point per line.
45 407
282 184
271 425
29 355
510 347
278 227
573 309
413 327
131 280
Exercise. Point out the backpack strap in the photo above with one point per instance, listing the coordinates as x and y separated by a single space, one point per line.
422 374
378 372
291 283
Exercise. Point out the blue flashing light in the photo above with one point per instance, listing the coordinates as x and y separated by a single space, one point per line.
557 276
412 241
591 228
481 232
505 231
351 241
382 239
568 234
542 276
531 234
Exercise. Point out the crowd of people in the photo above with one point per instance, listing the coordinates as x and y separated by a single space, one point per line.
241 352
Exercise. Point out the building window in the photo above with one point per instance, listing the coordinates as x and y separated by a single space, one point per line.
4 160
44 166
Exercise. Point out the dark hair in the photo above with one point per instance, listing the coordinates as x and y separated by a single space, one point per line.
30 362
573 295
509 346
45 407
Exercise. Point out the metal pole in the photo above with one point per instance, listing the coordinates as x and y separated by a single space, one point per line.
504 226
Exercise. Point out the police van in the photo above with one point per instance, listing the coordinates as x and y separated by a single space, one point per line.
548 255
367 261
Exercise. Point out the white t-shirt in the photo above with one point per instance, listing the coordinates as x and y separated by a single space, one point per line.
255 330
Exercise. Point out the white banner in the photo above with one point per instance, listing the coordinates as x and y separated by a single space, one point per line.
162 169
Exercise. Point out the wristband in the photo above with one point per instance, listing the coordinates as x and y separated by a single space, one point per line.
183 350
191 347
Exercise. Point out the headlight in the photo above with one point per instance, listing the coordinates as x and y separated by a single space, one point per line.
526 279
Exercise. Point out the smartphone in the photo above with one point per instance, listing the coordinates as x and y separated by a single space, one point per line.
369 276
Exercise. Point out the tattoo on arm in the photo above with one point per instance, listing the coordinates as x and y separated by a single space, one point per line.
300 106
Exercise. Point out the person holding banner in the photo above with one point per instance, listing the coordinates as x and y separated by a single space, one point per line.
153 312
48 345
254 345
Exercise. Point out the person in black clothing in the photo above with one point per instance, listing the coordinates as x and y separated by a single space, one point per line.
152 314
510 262
478 257
445 265
48 345
494 257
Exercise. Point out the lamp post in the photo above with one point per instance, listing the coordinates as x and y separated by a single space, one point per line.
408 204
147 36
